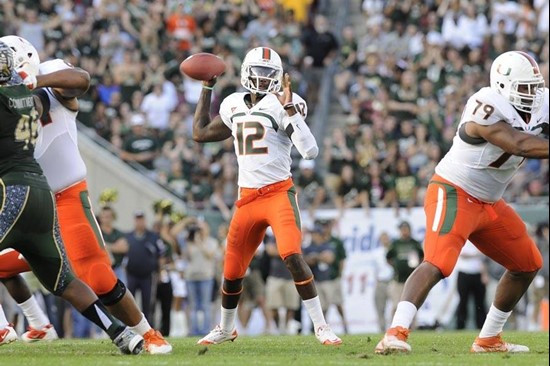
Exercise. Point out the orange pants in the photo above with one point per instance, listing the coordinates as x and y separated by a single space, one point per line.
453 216
83 241
274 205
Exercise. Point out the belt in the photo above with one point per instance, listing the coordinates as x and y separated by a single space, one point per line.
263 191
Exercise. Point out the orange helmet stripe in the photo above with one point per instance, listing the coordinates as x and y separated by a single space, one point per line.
531 60
266 53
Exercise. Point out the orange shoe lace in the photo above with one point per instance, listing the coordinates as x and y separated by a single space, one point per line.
401 333
154 337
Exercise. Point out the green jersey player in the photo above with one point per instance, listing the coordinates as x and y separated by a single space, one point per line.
28 221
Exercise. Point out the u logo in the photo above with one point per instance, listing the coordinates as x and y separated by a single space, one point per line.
507 71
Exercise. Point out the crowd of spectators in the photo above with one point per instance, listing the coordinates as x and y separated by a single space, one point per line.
139 101
406 71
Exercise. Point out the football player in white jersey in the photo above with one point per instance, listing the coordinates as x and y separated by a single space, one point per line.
500 127
265 124
57 153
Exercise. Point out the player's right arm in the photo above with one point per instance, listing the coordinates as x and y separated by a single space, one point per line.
510 140
206 129
486 118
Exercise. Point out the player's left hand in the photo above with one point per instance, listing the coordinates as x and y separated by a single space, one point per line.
286 97
28 74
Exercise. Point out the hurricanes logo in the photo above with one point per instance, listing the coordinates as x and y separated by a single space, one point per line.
504 73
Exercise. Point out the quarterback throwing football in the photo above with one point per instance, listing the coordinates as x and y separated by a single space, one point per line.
265 124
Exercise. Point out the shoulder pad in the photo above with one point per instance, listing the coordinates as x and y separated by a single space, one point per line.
487 107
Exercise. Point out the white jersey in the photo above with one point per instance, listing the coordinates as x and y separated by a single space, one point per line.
261 143
56 148
482 169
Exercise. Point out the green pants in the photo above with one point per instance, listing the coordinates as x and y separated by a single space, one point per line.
28 224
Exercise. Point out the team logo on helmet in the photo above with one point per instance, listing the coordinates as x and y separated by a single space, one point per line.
508 71
6 62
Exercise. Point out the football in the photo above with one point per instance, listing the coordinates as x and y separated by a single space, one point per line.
202 66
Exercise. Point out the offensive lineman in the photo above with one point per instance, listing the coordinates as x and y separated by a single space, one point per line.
28 218
265 125
57 153
499 129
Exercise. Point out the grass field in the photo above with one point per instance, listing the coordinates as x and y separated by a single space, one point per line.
429 348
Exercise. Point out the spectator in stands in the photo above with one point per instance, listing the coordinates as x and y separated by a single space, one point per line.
225 190
404 255
336 155
320 255
404 95
336 267
261 29
254 294
140 146
158 105
164 290
405 185
115 242
384 276
378 187
352 192
280 289
320 48
309 187
471 281
144 253
200 253
181 26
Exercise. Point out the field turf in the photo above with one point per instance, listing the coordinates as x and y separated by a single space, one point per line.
429 348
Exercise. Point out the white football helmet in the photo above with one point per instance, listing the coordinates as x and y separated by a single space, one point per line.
516 76
262 65
23 52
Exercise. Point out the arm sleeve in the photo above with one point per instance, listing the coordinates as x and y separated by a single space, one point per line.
301 136
298 131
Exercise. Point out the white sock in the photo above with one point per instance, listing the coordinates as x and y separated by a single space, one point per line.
227 322
404 315
34 314
142 327
3 321
313 307
494 322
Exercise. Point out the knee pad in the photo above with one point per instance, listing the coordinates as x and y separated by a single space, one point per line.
100 277
115 295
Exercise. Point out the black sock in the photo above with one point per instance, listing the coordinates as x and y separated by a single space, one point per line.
97 313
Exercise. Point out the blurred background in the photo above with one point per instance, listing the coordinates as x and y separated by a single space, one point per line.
385 82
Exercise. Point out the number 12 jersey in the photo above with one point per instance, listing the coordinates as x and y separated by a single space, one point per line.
261 143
